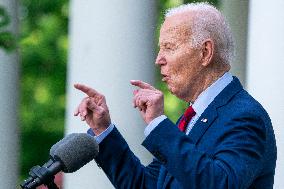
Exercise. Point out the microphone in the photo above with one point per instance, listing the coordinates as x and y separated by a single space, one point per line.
68 155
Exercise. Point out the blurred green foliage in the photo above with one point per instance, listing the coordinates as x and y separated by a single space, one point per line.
43 45
7 39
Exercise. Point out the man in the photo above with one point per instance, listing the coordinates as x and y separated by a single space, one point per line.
224 139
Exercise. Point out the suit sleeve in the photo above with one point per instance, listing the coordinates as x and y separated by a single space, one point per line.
233 164
122 167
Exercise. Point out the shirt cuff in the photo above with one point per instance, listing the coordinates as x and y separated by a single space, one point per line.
153 124
103 135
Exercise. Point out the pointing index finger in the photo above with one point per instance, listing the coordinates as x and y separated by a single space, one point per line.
141 84
87 90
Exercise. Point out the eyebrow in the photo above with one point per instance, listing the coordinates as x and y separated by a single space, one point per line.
166 43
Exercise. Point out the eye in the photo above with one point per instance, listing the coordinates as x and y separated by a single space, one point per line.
168 47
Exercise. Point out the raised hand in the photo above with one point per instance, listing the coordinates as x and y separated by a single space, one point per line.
148 100
93 109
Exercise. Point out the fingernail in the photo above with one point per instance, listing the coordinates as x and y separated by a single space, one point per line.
84 113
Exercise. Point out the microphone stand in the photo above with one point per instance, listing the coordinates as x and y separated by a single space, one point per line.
39 175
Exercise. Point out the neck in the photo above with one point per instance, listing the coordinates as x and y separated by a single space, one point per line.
206 80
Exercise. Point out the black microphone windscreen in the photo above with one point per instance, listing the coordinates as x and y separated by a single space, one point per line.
74 151
61 142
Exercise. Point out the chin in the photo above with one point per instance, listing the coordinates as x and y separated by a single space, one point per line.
173 90
177 92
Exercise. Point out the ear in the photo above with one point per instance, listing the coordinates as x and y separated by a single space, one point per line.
207 52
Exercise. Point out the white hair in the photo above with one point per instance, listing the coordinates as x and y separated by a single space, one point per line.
208 22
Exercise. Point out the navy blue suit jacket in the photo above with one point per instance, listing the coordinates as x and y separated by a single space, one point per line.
234 149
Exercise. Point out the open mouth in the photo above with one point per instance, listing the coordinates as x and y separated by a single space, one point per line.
165 77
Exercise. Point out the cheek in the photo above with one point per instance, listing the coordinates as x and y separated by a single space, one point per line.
176 61
181 67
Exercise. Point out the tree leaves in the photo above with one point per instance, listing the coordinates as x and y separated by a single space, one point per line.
7 39
43 47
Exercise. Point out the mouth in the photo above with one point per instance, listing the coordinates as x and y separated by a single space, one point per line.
165 77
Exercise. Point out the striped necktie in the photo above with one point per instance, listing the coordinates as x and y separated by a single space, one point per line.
187 116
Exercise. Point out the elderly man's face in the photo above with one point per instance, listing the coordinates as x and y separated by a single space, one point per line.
180 63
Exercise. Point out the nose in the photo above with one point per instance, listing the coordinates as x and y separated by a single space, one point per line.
160 60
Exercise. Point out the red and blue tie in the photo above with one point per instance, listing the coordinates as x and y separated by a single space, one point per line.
187 116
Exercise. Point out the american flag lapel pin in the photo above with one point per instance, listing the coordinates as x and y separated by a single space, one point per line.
204 120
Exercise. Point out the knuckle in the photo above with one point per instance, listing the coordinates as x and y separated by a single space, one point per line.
102 112
100 96
88 102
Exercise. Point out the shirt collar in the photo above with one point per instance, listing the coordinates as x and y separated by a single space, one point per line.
207 96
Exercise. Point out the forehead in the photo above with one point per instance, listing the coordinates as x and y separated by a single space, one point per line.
175 27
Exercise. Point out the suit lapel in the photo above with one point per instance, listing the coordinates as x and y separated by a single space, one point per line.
167 180
201 125
207 118
210 114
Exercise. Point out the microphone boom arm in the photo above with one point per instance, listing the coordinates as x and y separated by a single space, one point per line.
41 175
